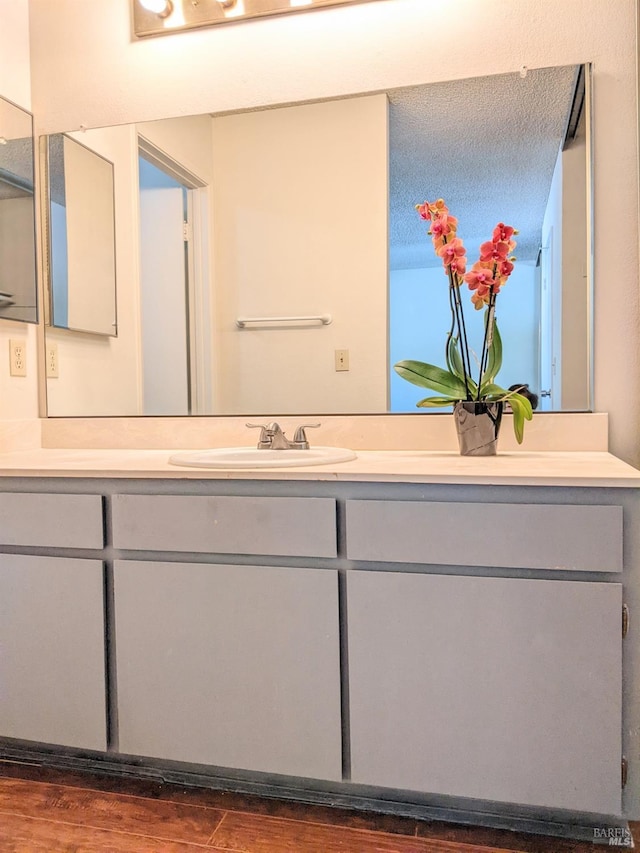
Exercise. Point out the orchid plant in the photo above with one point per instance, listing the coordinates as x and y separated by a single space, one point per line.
485 279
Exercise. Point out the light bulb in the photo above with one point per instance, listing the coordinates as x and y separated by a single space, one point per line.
162 8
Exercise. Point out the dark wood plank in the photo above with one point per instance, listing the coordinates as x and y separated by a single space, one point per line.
486 839
491 839
20 834
117 812
96 781
222 800
246 833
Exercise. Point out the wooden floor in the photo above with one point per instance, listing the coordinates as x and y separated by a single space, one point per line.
51 811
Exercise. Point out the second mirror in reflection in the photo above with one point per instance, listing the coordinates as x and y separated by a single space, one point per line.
82 252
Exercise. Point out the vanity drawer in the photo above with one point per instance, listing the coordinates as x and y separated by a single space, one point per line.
55 521
296 527
520 536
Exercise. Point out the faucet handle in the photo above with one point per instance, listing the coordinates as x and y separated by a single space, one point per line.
266 433
300 436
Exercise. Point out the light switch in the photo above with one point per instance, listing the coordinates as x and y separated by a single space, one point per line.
342 359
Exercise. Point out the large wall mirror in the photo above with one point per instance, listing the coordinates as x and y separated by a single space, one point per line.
272 262
17 215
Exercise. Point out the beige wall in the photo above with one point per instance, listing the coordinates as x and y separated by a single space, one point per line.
18 395
276 177
280 176
15 75
187 141
364 48
576 329
99 375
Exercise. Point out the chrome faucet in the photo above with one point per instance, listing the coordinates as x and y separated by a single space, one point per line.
273 438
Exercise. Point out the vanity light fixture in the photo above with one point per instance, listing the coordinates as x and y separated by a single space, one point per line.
161 8
161 17
232 8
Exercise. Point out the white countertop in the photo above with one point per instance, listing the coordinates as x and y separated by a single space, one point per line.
585 468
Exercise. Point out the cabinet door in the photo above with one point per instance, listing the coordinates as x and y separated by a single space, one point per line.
493 688
234 666
52 684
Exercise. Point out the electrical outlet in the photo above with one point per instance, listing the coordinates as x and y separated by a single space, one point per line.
18 358
342 359
52 361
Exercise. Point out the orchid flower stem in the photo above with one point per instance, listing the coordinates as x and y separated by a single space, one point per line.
456 315
463 336
452 328
454 294
488 336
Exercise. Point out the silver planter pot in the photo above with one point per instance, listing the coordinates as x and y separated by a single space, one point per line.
478 426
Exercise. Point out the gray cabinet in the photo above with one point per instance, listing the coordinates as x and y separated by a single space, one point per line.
50 520
513 536
52 680
296 527
502 689
229 665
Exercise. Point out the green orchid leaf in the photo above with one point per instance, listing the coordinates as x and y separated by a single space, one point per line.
435 402
431 377
496 392
454 359
522 411
494 359
473 388
518 423
519 400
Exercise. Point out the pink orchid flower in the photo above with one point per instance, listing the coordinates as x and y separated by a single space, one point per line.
453 256
495 252
503 233
442 227
479 301
505 268
438 208
432 209
480 277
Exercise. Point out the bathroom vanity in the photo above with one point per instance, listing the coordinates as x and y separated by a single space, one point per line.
392 633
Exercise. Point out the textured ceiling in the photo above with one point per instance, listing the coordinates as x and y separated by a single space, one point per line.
16 168
488 146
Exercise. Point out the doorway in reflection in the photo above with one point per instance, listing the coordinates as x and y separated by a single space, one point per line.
168 283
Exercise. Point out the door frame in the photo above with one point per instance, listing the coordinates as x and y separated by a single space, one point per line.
196 237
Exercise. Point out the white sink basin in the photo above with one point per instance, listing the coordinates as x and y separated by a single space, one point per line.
251 457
